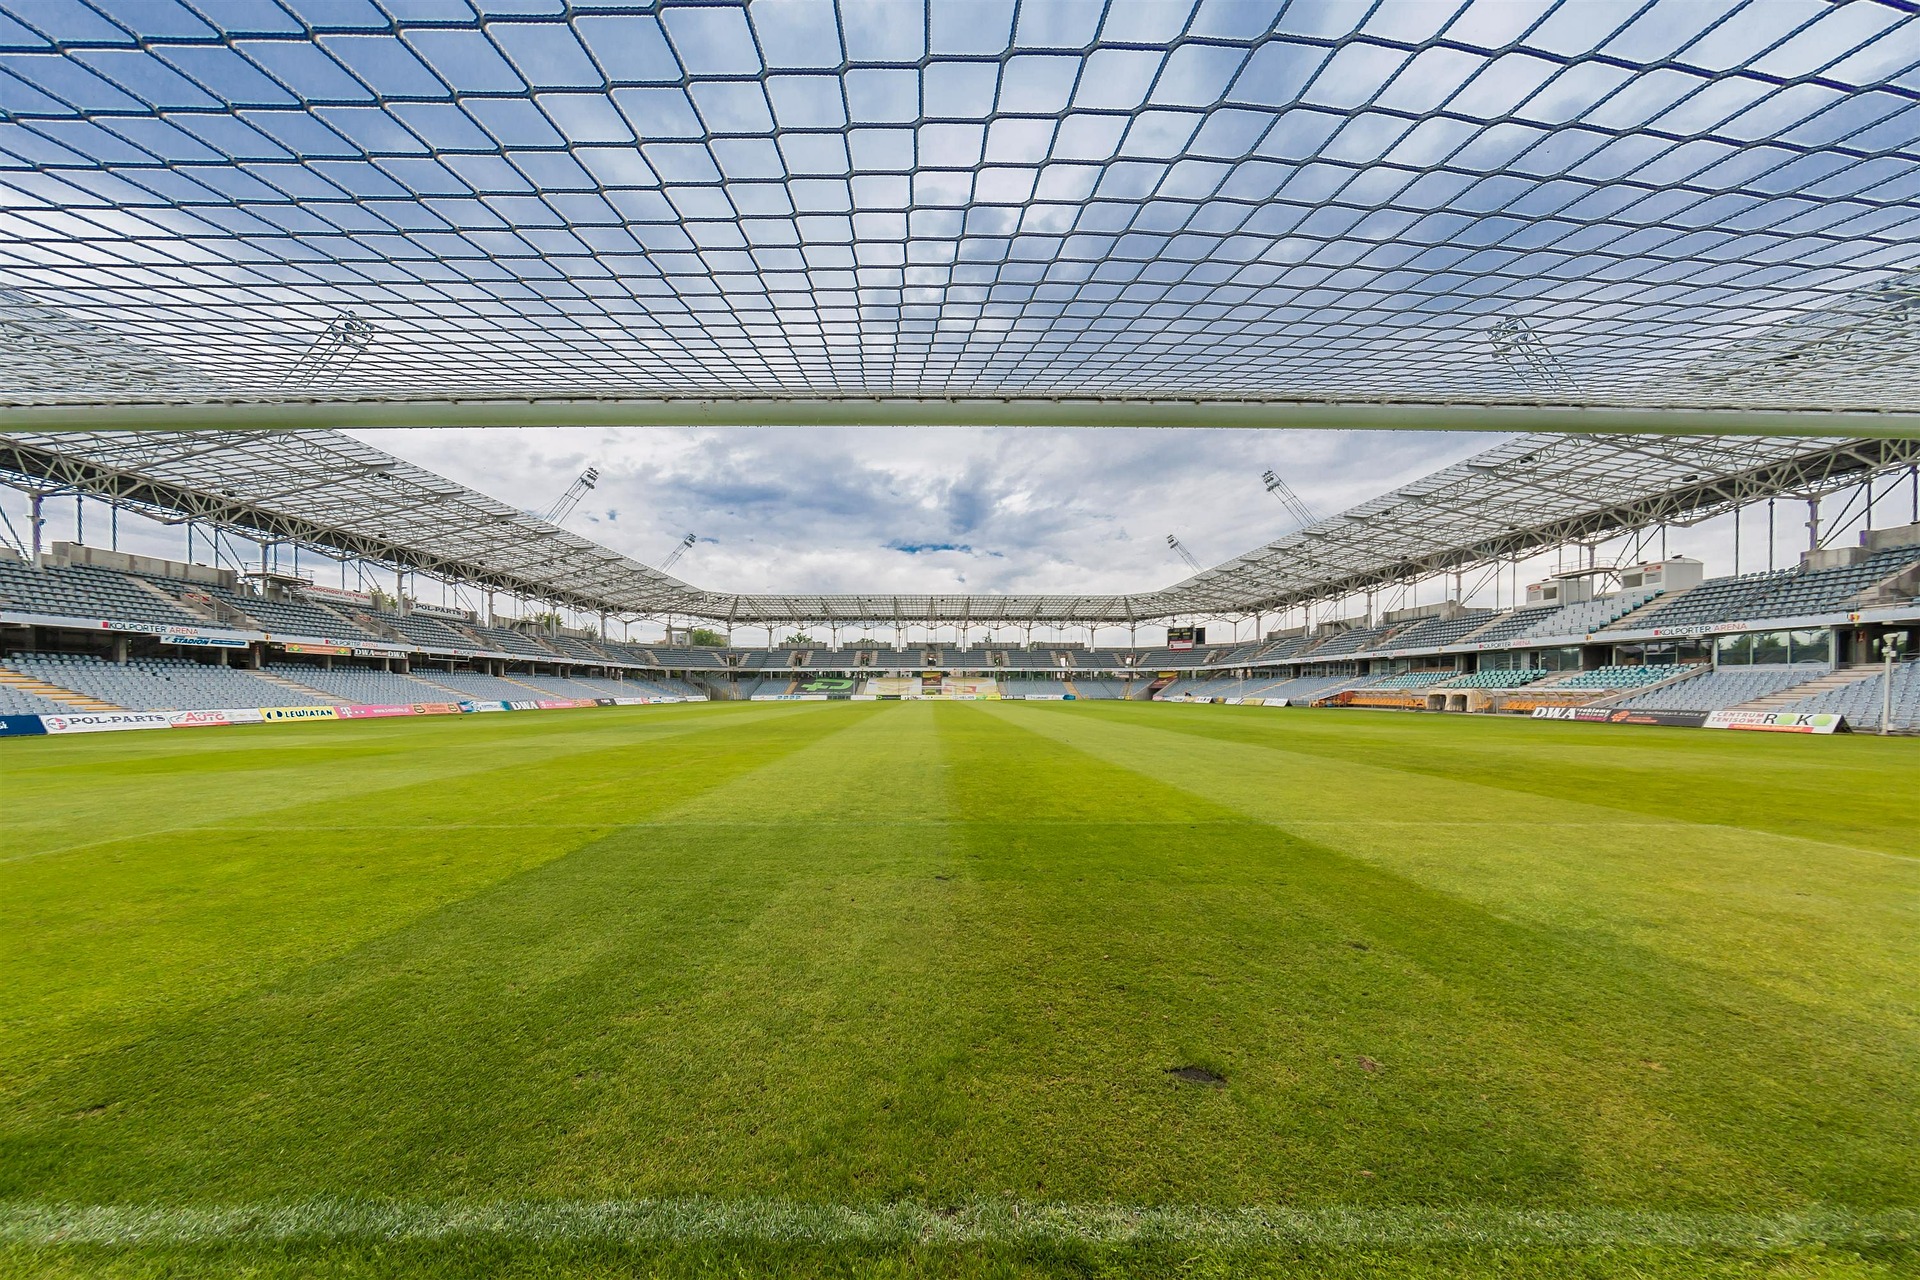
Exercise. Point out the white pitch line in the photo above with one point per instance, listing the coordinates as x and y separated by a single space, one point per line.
325 1220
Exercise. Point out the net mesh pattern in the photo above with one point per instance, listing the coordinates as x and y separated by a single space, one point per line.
1684 202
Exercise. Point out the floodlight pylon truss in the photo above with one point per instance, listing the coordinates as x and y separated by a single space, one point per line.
338 495
961 210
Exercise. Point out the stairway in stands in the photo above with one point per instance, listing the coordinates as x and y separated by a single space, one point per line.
452 693
1819 684
295 686
20 682
1659 600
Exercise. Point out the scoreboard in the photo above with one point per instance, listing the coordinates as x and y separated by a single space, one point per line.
1185 637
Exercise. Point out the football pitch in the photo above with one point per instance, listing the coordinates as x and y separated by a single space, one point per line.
966 989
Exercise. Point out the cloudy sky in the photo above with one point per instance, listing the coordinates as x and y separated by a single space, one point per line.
930 509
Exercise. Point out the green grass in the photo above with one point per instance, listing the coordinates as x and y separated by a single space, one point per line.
890 989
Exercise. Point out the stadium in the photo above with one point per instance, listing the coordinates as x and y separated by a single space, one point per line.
1501 859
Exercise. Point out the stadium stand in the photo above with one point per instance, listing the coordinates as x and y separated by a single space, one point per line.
16 701
1098 688
1435 632
1352 640
1860 701
1716 690
510 640
1785 594
1414 680
1304 688
429 633
558 686
285 617
82 591
607 687
160 684
486 688
664 687
1587 616
689 658
1281 649
1297 666
1510 624
574 647
1612 678
1199 687
1510 678
361 686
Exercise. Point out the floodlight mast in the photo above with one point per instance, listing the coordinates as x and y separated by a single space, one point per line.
563 505
1179 549
1296 508
337 347
1517 346
680 548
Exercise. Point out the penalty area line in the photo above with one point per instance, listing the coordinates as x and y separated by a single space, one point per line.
330 1220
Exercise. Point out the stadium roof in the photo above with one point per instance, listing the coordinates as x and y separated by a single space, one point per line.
1530 493
1683 215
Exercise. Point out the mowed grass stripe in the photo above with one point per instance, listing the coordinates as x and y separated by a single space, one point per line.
181 919
117 786
914 1224
1615 1058
1253 948
650 983
1855 790
1723 899
1136 950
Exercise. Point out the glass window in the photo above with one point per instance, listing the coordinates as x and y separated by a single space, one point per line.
1567 659
1811 646
1770 646
1735 651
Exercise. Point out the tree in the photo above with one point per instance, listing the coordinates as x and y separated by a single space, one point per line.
711 639
801 637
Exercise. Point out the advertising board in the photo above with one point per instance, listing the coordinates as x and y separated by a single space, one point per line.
206 642
299 713
214 719
20 726
107 721
1618 715
1779 721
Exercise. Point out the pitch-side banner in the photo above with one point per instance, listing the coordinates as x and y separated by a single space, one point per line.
1618 715
214 719
1779 721
107 721
20 726
299 713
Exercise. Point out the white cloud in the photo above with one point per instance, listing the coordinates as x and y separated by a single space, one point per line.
929 509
